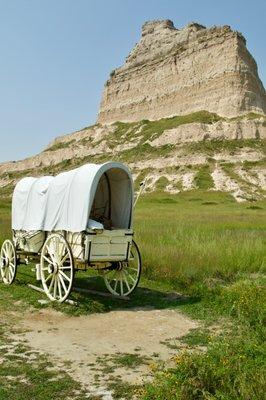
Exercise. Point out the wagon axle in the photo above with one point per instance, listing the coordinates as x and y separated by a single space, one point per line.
118 266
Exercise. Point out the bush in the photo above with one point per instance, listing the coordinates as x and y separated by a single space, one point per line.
229 370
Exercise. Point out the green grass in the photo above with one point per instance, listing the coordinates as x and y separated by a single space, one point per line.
109 363
230 369
250 115
217 255
60 145
159 126
197 337
186 241
232 366
211 147
203 179
212 250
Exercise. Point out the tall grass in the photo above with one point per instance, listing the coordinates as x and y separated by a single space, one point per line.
5 219
197 236
214 249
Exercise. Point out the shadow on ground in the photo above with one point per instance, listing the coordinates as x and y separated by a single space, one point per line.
143 298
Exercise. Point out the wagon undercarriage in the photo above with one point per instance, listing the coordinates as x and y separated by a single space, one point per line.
55 267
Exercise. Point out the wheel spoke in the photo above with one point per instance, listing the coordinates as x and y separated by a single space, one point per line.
55 287
133 269
48 277
63 267
48 260
51 283
50 253
59 287
126 282
63 283
63 249
121 286
111 275
64 259
130 276
65 276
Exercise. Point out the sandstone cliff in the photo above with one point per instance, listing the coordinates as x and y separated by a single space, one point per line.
174 72
169 73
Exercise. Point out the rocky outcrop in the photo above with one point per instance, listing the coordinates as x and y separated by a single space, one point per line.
170 153
220 130
175 72
97 141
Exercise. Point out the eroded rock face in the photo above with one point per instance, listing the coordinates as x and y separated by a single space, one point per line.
174 155
174 72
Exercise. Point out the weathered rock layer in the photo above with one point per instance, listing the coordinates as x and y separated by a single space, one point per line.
175 72
170 153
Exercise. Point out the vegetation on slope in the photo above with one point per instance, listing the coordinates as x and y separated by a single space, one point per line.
146 129
137 135
146 151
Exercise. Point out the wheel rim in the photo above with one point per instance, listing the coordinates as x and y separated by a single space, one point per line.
8 262
57 269
125 278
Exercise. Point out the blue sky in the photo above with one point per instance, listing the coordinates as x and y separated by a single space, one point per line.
56 56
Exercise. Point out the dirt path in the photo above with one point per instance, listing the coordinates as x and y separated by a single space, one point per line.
100 348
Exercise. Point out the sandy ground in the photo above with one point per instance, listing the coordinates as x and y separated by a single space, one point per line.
86 345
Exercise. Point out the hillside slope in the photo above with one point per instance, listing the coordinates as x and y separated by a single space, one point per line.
197 151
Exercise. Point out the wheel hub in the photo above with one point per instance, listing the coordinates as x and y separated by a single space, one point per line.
53 268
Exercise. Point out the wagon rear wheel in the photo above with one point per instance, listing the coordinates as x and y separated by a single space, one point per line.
122 280
8 262
57 268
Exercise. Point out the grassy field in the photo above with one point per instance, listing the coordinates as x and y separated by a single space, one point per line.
195 236
211 249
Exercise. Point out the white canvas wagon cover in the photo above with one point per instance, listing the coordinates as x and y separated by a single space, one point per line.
65 202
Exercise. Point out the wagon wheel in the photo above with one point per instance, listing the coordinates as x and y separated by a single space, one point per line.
57 268
124 277
8 262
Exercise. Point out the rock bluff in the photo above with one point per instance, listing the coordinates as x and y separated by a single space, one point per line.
174 72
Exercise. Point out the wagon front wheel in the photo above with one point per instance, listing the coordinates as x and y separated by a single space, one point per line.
57 268
124 277
8 262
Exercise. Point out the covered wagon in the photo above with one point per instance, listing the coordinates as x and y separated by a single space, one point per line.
76 220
